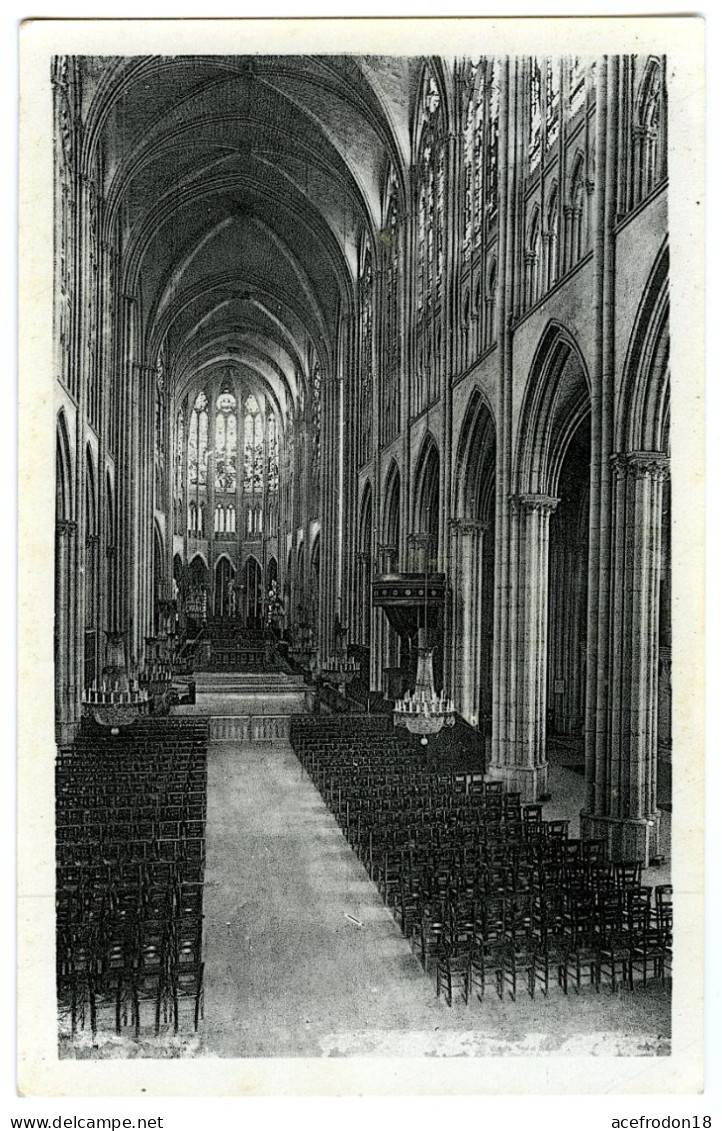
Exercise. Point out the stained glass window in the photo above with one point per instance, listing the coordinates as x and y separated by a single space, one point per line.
225 442
576 85
272 451
552 101
179 430
473 158
316 421
198 442
252 446
391 351
535 115
366 398
492 141
431 189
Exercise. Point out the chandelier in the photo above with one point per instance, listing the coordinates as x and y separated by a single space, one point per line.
340 668
425 712
117 699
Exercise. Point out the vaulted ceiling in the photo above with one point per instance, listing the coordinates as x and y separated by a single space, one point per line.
242 188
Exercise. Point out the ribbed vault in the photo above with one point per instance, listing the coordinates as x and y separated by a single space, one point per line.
242 189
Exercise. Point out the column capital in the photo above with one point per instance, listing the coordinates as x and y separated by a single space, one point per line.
149 370
469 525
419 539
641 465
545 504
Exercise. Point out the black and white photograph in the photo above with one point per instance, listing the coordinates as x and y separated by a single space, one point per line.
370 515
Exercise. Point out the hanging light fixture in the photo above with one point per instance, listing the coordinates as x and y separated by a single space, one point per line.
425 712
340 668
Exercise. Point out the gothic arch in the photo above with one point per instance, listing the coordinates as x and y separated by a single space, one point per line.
432 69
476 460
426 476
365 568
556 401
643 407
472 563
392 503
200 558
63 472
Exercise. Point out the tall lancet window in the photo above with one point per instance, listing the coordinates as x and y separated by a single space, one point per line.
226 442
366 365
492 139
316 424
473 158
431 194
180 424
577 92
552 95
252 446
390 392
198 443
272 451
648 134
535 116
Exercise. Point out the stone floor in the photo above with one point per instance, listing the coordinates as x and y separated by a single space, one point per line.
303 959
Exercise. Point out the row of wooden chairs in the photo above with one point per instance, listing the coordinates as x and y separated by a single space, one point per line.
130 854
479 883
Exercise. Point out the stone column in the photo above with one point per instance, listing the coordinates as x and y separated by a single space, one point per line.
519 750
467 541
363 559
622 798
65 691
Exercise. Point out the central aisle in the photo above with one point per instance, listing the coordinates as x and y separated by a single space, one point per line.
290 973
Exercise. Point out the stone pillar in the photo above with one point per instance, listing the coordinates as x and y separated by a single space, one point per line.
65 689
622 799
363 559
519 747
467 542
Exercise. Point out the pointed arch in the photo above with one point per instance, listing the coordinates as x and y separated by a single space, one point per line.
476 461
63 471
532 255
577 210
552 237
556 400
391 520
111 552
644 400
649 134
426 515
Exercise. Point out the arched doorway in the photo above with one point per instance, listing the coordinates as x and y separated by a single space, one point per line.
629 682
424 549
553 425
389 550
252 589
313 581
568 583
158 578
472 566
64 531
425 534
395 653
111 553
223 589
300 590
365 567
196 603
90 661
